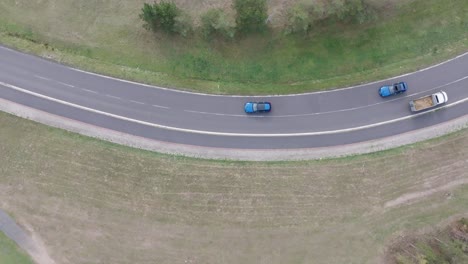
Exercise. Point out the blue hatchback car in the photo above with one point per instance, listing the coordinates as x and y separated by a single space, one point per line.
257 107
396 88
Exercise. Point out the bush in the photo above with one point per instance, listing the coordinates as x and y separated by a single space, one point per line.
352 11
251 15
298 19
160 16
302 16
183 24
148 15
216 22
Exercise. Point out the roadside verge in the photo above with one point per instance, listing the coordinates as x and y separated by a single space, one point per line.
232 154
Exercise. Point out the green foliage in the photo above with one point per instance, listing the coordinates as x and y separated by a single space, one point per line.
148 15
298 19
464 221
215 22
162 15
183 24
431 254
166 13
302 16
351 11
10 253
251 15
402 259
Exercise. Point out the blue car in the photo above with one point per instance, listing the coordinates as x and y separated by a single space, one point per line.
396 88
257 107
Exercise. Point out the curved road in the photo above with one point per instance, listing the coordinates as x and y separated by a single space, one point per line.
321 119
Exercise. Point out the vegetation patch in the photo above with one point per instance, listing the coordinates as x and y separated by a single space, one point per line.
445 246
304 46
10 253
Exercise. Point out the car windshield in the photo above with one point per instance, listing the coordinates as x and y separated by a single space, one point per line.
254 107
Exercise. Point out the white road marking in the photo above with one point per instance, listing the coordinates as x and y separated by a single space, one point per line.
337 111
137 102
227 133
89 91
245 96
43 78
114 97
218 114
66 84
285 95
48 79
160 106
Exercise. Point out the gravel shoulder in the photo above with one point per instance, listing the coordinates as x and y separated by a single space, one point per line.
233 154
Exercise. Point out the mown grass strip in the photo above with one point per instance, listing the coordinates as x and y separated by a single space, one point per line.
10 253
412 36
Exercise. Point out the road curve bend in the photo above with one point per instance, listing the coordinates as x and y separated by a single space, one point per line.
217 123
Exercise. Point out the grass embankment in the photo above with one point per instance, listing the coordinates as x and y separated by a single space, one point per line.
94 202
10 253
107 37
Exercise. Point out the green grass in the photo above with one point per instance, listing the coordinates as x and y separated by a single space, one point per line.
94 201
10 253
105 38
438 245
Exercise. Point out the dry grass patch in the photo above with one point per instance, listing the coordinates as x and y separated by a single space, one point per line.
92 201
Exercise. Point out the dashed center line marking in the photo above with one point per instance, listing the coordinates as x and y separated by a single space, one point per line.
114 97
160 106
340 110
66 84
228 133
43 78
218 114
89 91
51 80
137 102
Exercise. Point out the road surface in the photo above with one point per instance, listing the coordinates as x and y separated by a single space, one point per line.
322 119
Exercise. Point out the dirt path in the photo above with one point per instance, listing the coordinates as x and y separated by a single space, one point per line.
31 244
410 197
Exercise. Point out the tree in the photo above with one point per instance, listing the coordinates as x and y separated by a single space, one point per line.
148 15
251 15
351 10
216 22
298 19
183 24
160 15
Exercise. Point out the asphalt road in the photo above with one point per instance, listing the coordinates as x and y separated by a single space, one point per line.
321 119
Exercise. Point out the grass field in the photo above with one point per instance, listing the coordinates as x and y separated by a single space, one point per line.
10 253
107 37
94 202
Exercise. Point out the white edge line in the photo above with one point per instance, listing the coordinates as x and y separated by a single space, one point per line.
273 95
226 133
242 96
340 110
